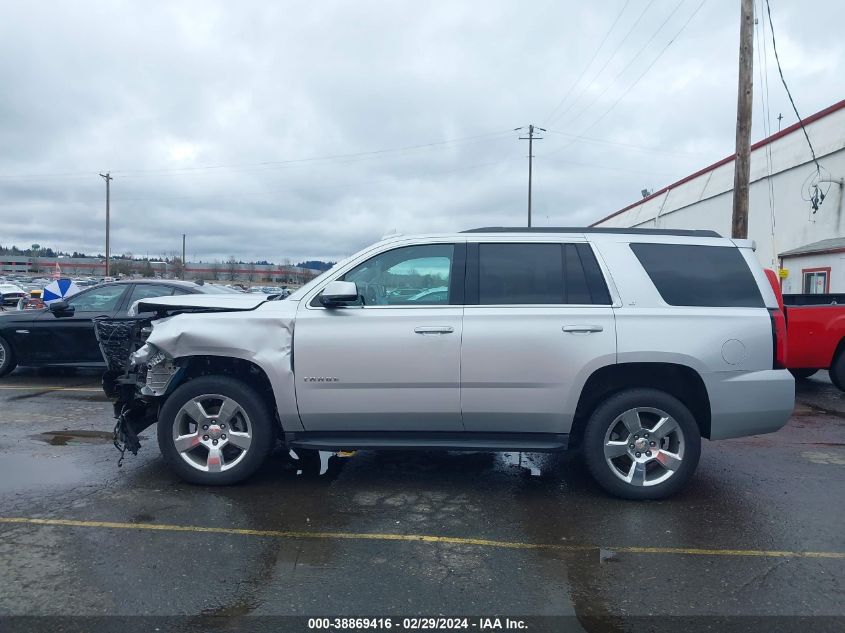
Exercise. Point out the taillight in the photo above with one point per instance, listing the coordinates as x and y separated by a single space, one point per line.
778 338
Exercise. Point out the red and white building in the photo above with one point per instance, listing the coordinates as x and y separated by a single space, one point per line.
808 246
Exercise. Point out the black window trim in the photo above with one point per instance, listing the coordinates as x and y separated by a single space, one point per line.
597 285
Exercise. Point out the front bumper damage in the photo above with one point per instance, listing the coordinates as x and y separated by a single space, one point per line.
149 357
137 375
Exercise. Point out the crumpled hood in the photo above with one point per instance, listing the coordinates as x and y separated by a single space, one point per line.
260 334
219 302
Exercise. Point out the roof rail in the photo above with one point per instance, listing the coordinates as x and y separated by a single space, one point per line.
593 229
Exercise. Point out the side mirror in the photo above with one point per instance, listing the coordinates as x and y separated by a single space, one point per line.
338 293
61 309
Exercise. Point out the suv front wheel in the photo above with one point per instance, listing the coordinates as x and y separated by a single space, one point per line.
641 444
215 430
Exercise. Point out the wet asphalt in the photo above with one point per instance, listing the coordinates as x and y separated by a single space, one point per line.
783 492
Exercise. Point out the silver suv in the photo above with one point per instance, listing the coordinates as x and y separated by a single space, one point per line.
632 344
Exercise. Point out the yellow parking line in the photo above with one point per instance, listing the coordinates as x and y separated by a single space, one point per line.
417 538
38 388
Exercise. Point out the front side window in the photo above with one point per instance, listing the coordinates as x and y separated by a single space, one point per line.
98 299
411 275
148 291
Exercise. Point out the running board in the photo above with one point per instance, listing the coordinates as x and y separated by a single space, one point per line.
403 440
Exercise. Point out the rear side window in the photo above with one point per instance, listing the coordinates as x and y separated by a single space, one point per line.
686 275
537 274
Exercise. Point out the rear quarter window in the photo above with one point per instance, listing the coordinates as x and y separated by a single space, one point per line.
694 275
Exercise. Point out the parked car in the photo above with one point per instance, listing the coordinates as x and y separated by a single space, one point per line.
633 344
63 333
10 294
815 325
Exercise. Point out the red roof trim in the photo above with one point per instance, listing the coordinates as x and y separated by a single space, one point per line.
762 143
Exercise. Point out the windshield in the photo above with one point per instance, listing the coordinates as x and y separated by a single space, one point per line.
215 289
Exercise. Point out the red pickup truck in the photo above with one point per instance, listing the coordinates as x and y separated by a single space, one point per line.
815 332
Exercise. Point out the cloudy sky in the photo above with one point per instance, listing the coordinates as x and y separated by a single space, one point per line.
293 130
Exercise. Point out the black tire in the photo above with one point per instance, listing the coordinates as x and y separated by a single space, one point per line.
260 424
607 418
7 354
801 374
837 371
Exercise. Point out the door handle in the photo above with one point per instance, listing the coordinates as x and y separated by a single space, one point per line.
582 329
434 329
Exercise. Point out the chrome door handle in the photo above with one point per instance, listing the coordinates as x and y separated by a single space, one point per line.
576 329
434 329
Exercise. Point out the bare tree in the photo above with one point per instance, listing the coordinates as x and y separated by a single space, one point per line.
215 269
232 267
251 271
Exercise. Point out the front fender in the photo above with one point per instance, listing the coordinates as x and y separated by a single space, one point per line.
263 337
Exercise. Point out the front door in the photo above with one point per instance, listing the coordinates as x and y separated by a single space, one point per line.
390 361
538 321
70 339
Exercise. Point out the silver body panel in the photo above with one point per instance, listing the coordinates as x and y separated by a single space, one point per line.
369 369
514 368
520 371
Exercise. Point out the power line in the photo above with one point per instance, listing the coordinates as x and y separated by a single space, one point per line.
588 139
783 81
629 64
636 81
607 167
589 63
171 170
609 59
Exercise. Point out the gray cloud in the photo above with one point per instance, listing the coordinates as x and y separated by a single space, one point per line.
159 93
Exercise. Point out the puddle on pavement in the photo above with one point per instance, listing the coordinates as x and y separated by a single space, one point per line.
311 463
22 472
62 438
522 460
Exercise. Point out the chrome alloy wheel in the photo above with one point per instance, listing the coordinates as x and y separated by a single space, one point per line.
2 355
644 446
212 433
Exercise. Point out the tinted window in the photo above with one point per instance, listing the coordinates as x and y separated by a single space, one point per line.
98 299
699 275
539 274
520 273
147 291
413 275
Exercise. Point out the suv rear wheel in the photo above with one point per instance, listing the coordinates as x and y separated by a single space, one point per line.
215 430
641 444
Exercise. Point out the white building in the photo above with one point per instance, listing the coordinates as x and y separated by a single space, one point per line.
809 246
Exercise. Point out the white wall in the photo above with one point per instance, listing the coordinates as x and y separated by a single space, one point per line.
834 261
705 202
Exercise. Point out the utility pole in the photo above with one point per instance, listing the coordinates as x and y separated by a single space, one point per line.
530 138
183 256
780 118
742 162
108 178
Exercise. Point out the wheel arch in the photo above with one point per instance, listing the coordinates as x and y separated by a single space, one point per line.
241 369
680 381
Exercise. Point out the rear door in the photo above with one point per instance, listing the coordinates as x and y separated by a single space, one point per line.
538 321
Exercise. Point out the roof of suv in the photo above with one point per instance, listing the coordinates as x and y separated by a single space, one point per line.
591 229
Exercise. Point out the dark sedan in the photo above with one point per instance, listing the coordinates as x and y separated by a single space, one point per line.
63 334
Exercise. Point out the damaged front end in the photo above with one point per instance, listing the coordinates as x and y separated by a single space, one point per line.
137 375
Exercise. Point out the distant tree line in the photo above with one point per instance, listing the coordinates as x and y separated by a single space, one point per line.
127 262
